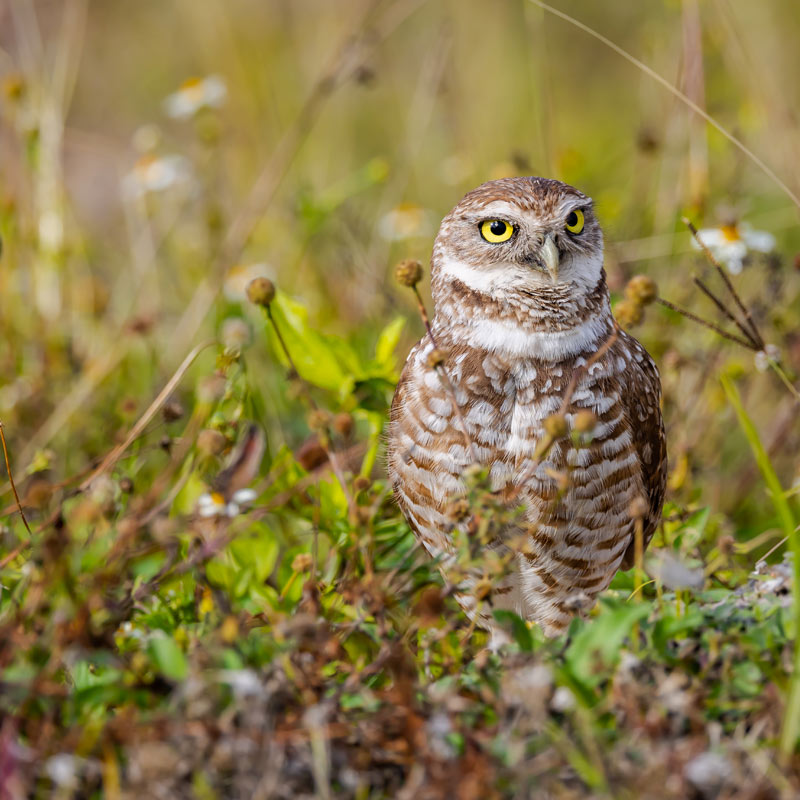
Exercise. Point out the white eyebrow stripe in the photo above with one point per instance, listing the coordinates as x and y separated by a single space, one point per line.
501 209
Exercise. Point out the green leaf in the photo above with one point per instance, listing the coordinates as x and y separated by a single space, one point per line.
318 359
519 629
387 343
221 574
776 492
669 627
596 647
168 657
258 551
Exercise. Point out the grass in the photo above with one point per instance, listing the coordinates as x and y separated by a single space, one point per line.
164 631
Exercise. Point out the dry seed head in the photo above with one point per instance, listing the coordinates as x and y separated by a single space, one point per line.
319 419
584 421
641 290
472 473
458 510
408 272
211 442
343 424
301 562
436 358
556 425
261 291
628 313
362 483
172 410
726 544
638 508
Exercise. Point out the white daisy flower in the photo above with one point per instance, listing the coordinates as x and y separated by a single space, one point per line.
730 244
156 174
237 278
195 94
213 504
405 222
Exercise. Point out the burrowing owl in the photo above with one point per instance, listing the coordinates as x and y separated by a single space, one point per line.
521 311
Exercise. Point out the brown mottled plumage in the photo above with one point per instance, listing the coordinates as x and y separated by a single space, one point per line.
519 319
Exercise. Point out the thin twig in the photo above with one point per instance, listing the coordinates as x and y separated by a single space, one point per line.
725 310
674 91
688 314
11 481
727 281
424 314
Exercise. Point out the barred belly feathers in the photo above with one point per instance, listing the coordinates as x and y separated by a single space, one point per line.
522 316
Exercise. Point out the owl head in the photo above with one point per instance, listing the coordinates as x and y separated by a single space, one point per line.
525 235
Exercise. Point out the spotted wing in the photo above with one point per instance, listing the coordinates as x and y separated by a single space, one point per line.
641 395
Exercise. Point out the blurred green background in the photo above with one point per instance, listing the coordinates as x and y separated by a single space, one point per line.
347 130
155 157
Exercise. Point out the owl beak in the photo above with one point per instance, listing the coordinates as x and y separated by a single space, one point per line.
549 254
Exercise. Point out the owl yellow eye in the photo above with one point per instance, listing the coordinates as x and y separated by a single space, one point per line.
574 221
496 231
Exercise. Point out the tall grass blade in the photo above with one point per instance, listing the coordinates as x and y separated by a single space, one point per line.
791 720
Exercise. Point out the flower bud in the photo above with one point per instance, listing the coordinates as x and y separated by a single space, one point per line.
584 421
556 425
261 291
641 290
319 419
638 508
408 272
301 562
436 358
343 424
211 442
628 313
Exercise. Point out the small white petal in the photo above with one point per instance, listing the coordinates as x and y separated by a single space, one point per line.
735 266
710 237
244 496
761 241
232 510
